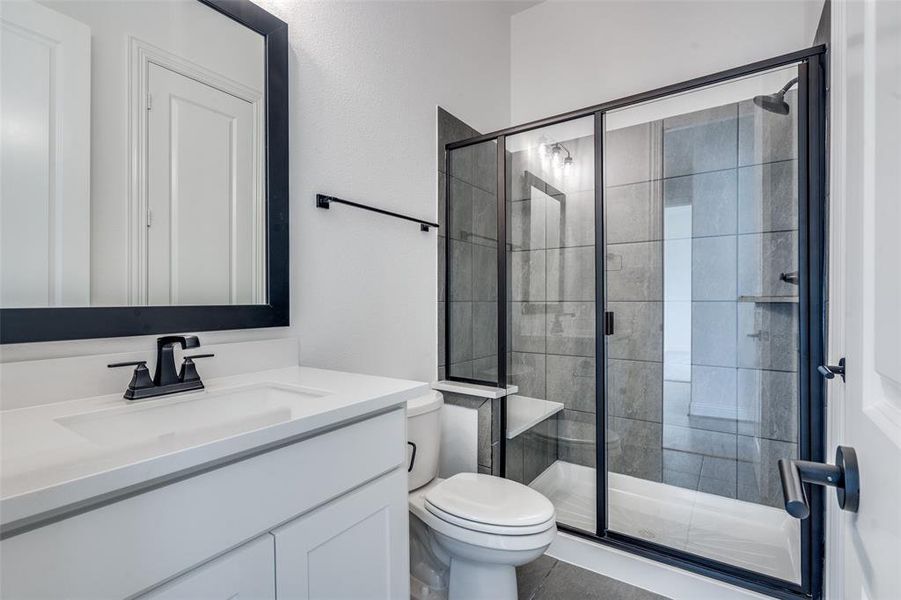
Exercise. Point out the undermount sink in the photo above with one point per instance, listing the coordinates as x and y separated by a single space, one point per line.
200 416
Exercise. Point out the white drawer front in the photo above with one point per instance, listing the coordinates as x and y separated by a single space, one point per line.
245 573
129 546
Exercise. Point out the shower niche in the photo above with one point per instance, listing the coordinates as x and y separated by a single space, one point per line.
646 265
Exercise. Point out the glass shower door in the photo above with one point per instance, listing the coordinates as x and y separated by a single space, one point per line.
551 306
702 259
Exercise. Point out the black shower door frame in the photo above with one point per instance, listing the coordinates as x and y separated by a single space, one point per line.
811 64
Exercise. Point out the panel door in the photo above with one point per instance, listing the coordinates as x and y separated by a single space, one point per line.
353 547
44 157
246 573
862 549
200 194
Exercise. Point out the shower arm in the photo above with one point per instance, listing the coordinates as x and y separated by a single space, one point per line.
787 86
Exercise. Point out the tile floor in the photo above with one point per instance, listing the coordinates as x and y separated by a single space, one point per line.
550 579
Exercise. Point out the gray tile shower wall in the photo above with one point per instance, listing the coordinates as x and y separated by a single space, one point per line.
472 251
552 308
702 213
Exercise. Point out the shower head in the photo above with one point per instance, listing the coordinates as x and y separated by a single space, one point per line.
775 103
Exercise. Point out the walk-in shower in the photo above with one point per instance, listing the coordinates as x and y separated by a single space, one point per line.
657 303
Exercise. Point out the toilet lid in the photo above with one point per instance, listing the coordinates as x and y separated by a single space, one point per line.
489 500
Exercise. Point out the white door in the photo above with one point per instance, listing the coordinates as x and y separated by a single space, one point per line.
200 193
245 573
45 154
355 547
863 550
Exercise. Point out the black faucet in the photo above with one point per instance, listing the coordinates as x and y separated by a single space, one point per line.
165 379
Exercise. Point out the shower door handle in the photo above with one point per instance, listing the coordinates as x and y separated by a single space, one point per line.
608 323
844 476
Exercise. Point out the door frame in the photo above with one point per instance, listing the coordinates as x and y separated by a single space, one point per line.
812 316
142 55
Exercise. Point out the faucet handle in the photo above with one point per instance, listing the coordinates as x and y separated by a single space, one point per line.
140 379
188 371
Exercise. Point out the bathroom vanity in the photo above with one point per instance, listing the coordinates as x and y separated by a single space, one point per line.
290 483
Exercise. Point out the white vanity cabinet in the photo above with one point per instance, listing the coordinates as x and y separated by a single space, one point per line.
350 548
247 572
320 516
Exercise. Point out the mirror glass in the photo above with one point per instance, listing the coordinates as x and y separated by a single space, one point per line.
132 155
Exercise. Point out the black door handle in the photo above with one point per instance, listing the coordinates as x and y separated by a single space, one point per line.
844 476
830 371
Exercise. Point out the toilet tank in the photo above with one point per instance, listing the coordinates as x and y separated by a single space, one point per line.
423 438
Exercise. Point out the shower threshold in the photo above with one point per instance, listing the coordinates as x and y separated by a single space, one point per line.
752 536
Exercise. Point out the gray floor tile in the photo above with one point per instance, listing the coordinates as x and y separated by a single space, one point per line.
530 577
567 581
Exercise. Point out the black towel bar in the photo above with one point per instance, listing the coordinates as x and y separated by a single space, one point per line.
323 201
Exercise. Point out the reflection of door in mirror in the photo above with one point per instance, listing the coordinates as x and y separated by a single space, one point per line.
44 157
133 155
201 246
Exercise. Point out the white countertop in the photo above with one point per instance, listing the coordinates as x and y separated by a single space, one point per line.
45 466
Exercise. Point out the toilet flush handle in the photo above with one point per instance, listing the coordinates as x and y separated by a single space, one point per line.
412 457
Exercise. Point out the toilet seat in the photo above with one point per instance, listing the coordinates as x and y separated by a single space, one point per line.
489 504
496 541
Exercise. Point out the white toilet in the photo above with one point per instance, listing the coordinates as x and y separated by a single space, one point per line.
468 533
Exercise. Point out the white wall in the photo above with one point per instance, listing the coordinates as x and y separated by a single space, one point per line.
365 80
567 55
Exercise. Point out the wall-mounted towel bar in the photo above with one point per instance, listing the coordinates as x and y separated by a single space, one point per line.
323 201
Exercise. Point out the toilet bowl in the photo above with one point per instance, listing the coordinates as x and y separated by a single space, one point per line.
468 532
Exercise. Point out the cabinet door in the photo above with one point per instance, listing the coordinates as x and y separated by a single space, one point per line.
354 547
245 573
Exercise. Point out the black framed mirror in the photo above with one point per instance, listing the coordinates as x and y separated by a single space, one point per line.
149 193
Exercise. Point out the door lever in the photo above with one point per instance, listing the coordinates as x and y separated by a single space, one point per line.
830 371
844 476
